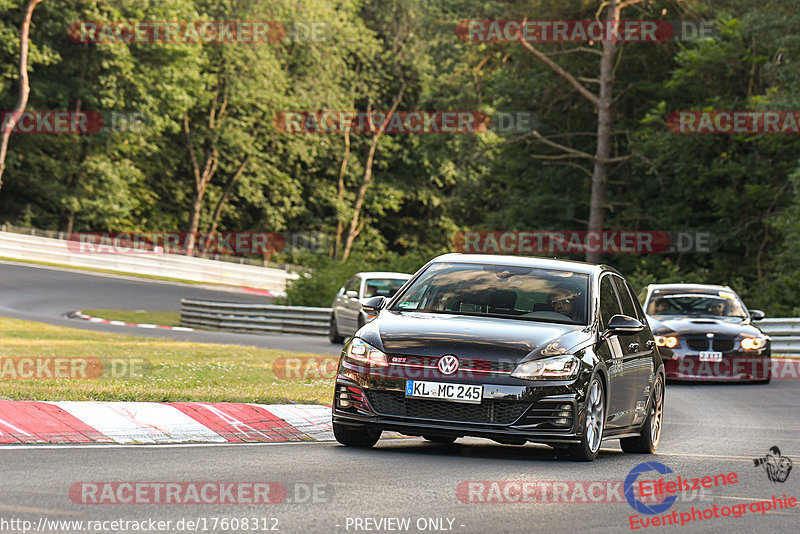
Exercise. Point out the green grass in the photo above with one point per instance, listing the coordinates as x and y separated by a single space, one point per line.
138 316
177 371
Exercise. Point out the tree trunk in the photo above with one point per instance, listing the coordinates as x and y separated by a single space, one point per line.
603 103
353 230
226 193
339 226
605 120
24 86
201 180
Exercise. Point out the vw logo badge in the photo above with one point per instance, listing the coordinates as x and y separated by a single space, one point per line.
448 364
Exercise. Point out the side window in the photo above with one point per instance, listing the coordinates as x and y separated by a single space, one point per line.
642 296
639 311
352 284
609 305
625 298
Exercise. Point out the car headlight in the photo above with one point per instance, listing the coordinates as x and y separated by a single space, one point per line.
361 352
556 368
666 341
753 343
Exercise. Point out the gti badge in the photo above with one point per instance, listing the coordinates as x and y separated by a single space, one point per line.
448 364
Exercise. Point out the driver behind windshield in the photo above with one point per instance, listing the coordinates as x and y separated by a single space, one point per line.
564 301
717 307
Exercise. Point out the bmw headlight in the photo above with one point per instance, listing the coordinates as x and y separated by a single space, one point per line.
753 343
556 368
359 351
666 341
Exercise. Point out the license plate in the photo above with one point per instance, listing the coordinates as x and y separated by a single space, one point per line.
444 391
710 356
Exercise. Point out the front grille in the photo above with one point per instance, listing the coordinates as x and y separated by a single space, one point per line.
550 414
463 363
723 345
395 403
697 343
718 344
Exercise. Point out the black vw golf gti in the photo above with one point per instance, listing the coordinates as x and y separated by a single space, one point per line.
507 348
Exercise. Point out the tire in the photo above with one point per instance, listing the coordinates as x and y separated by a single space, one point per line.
594 422
352 436
333 332
445 440
647 442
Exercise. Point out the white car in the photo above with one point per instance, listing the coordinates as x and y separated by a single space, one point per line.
347 315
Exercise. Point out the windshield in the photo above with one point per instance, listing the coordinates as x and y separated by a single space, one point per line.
383 287
723 304
499 291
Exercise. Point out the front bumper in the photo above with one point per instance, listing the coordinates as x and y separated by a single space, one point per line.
735 366
508 413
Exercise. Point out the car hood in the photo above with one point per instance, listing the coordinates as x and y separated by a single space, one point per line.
432 334
700 325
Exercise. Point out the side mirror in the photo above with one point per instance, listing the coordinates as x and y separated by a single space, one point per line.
351 294
623 324
374 304
757 315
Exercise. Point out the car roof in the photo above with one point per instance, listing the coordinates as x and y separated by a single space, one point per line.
685 287
524 261
383 274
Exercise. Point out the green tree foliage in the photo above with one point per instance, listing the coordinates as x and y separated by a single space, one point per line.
423 188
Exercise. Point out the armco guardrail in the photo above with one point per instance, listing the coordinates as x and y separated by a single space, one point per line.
35 248
785 334
263 318
254 318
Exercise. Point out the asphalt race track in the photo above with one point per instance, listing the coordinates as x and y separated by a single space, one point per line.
45 294
709 430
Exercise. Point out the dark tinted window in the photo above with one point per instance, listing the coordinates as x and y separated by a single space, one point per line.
625 298
688 302
499 290
382 287
609 305
352 284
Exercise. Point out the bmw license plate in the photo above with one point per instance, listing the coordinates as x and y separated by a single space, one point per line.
710 356
442 391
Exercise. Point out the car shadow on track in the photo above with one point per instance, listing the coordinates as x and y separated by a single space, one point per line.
472 449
